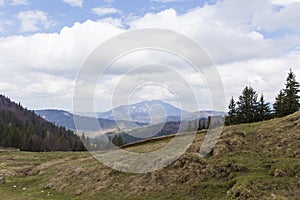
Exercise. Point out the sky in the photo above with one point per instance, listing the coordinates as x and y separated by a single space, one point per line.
43 45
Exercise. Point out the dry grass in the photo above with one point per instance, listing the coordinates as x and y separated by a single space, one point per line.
251 161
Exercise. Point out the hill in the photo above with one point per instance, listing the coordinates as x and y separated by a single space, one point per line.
23 129
250 161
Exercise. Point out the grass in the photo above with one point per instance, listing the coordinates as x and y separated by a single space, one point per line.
250 161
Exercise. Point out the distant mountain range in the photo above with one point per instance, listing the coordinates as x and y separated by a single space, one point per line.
66 119
153 112
125 116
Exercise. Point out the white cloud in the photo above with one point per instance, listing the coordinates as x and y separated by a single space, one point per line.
113 21
230 31
265 75
2 2
109 1
41 68
57 52
33 20
284 2
101 11
18 2
74 3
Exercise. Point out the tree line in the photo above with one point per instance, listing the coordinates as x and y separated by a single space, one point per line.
103 142
250 107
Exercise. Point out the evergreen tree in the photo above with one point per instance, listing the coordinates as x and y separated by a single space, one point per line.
247 106
287 101
263 109
232 114
117 140
291 91
279 106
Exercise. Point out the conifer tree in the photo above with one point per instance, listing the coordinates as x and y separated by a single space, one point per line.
279 106
287 101
247 106
263 109
291 91
232 114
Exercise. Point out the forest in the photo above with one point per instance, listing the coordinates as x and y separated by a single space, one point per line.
24 130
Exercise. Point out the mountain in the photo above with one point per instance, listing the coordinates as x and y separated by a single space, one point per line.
139 112
23 129
66 119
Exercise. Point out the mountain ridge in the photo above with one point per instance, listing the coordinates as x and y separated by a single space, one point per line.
66 119
139 112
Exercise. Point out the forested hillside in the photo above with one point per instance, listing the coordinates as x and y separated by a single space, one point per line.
23 129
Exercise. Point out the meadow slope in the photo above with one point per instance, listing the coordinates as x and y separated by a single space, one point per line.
250 161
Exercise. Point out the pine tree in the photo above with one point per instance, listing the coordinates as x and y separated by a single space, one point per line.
247 106
291 91
287 101
263 109
279 106
232 114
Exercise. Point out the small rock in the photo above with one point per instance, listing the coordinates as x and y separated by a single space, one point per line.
278 173
78 192
49 186
14 186
24 188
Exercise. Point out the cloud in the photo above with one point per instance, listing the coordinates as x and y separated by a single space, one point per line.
55 53
74 3
113 21
42 67
101 11
232 32
2 3
18 2
33 20
230 26
260 74
284 2
109 1
4 23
